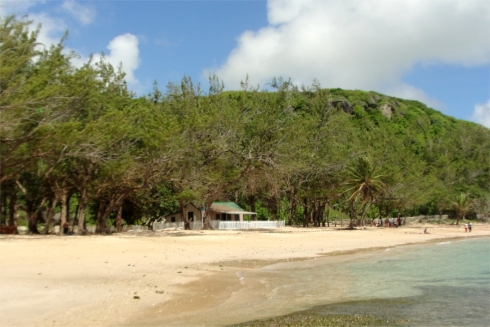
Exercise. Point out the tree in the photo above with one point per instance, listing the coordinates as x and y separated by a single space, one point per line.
482 206
32 94
462 204
364 185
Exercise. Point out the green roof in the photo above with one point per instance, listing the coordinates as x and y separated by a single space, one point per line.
225 206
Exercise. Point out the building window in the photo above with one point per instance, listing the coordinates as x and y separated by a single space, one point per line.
172 219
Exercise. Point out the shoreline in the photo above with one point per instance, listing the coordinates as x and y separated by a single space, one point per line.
225 302
93 280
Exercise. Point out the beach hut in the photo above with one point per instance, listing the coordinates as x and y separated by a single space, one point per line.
229 211
220 211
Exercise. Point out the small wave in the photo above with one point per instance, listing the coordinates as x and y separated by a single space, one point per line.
443 243
240 277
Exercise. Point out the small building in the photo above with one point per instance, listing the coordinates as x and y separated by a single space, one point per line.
193 214
221 211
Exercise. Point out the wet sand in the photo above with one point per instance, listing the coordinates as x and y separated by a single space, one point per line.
176 278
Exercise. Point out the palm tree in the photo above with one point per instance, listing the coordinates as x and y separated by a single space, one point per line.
462 205
364 184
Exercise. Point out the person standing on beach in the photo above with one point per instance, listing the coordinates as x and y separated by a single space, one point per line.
469 226
465 228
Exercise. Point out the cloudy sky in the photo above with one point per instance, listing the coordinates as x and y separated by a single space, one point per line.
435 51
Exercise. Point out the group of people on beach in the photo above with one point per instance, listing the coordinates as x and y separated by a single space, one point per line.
389 222
468 227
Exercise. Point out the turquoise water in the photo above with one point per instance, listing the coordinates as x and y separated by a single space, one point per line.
437 284
442 284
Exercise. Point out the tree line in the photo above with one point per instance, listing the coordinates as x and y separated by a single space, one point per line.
77 141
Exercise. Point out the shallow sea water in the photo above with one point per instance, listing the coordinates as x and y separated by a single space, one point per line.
436 284
442 284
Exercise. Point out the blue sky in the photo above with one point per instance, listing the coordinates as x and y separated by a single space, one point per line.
434 51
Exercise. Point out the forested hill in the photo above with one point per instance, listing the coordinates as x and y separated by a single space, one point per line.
76 140
451 154
457 152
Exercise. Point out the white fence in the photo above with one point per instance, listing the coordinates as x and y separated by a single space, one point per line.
218 224
197 225
112 229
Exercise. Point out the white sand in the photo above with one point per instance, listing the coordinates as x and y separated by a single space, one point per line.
92 280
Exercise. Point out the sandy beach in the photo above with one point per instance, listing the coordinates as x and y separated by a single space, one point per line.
163 278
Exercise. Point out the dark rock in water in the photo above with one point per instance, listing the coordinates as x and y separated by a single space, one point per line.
314 320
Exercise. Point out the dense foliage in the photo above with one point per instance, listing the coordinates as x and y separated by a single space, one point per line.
76 140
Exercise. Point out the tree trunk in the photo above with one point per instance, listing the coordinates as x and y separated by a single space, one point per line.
352 215
3 210
366 207
273 207
183 214
328 217
101 223
49 215
305 212
251 202
114 203
291 208
458 217
74 221
13 210
82 230
63 194
206 221
31 218
119 219
314 213
320 214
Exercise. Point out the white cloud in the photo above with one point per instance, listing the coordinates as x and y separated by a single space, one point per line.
356 44
481 114
52 28
84 15
123 49
16 7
